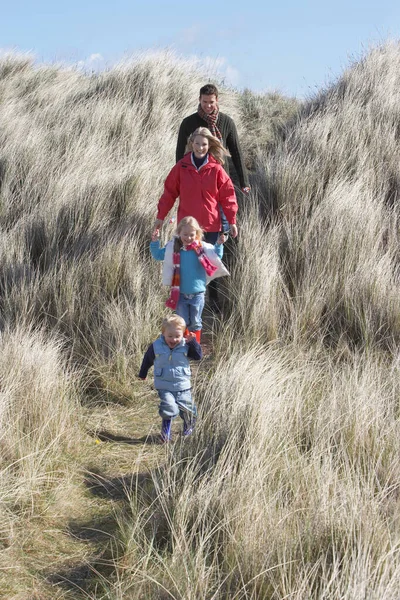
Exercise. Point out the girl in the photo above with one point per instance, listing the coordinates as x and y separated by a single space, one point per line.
189 264
202 185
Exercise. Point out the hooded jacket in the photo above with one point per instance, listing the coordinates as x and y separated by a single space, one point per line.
200 192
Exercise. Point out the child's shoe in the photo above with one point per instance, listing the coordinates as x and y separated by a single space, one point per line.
166 430
189 422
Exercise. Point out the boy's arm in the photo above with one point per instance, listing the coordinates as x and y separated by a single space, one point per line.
147 362
194 349
157 252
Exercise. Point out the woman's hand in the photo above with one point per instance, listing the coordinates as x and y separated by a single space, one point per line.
233 230
222 239
156 230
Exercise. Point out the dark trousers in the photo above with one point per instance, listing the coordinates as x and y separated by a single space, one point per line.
211 237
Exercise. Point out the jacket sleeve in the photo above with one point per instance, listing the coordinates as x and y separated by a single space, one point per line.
219 250
194 350
147 362
233 145
171 192
157 252
227 196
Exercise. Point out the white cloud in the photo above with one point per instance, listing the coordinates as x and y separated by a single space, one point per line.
94 62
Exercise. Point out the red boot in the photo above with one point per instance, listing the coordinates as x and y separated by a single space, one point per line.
198 335
185 333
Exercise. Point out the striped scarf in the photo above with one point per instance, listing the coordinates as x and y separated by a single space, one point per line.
211 121
205 262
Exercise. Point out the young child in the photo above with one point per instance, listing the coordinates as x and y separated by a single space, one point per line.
170 355
189 264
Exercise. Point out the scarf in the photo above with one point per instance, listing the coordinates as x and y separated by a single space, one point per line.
211 121
205 262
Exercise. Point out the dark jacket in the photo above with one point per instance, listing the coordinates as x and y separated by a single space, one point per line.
230 140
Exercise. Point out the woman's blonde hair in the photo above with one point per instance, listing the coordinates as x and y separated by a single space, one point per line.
215 147
173 320
191 222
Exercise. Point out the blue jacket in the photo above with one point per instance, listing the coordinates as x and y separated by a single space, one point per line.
171 366
193 277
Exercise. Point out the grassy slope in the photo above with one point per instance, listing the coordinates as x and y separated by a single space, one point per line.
290 487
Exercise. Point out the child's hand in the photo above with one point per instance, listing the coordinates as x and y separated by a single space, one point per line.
190 336
142 378
155 236
222 239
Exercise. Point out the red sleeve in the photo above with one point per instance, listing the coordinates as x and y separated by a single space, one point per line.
171 192
227 196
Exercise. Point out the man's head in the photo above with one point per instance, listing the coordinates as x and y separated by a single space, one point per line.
208 98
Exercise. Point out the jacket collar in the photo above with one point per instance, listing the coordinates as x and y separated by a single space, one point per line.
187 161
203 164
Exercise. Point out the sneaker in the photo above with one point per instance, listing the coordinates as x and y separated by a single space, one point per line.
166 430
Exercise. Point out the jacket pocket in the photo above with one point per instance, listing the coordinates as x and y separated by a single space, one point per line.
158 372
183 371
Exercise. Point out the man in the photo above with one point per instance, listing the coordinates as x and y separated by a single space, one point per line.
220 125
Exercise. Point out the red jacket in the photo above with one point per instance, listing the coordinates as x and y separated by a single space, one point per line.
199 193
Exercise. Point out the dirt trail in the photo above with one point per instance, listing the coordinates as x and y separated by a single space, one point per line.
124 445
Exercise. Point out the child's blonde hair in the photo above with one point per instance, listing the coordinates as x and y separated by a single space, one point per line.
173 320
215 147
190 222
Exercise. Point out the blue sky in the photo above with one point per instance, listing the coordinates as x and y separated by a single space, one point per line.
291 46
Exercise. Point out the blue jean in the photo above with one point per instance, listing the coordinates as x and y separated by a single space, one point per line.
224 220
190 308
173 404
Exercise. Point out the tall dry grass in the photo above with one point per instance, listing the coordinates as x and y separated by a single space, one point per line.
40 430
289 488
82 162
333 184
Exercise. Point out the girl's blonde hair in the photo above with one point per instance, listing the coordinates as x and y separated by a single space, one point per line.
215 147
173 320
192 222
